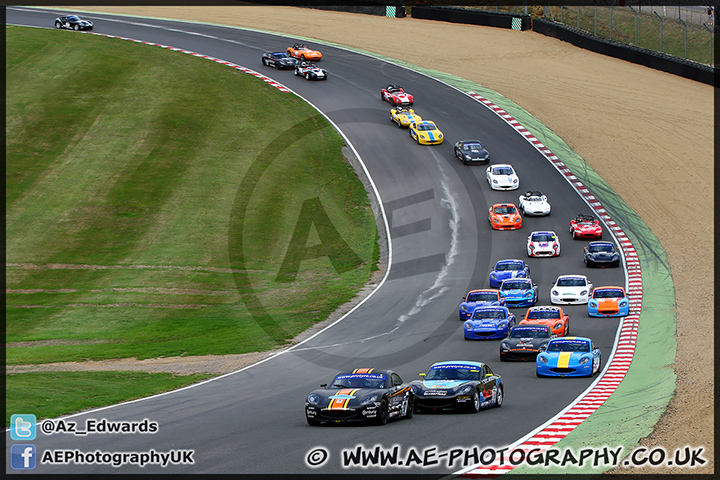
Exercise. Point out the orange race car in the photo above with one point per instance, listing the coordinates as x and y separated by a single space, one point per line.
504 216
302 52
553 317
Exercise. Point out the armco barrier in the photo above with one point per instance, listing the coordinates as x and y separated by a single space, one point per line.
390 9
642 56
473 17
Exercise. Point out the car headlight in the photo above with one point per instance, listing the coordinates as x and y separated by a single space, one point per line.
492 275
584 360
515 180
542 359
593 303
496 220
556 293
494 181
517 220
467 157
528 295
313 399
439 135
465 390
369 399
623 303
502 325
463 308
505 345
557 326
468 325
583 293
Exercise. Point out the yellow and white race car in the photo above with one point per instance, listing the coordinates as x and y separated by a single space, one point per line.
404 116
426 133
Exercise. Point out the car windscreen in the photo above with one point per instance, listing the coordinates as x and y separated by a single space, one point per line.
502 171
504 210
571 282
359 380
543 237
601 248
508 266
515 285
453 372
473 147
607 293
482 297
568 346
543 314
426 126
479 314
527 332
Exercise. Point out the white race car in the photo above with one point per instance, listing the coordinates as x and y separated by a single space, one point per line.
310 71
534 203
543 244
502 177
570 290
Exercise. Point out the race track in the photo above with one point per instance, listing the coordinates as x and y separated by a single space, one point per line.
442 246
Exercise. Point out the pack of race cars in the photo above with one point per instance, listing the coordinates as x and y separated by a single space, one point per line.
541 335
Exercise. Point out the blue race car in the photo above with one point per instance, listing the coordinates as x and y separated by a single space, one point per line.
519 292
569 357
608 302
489 322
505 269
479 298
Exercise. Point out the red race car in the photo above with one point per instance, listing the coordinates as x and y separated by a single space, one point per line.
585 226
396 95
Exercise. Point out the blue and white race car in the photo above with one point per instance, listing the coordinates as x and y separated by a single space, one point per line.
484 297
489 322
458 384
569 357
519 292
510 268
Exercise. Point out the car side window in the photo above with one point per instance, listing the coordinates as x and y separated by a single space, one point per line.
396 380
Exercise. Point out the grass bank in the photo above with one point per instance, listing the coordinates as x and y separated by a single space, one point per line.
160 204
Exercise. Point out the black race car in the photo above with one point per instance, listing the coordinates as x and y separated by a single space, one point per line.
360 394
601 254
279 60
73 22
471 152
310 71
458 384
524 342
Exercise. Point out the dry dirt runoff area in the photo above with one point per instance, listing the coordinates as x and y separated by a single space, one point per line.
649 134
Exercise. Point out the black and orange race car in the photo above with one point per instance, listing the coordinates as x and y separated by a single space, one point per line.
361 394
504 216
302 52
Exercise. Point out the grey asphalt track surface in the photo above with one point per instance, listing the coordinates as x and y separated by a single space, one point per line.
253 421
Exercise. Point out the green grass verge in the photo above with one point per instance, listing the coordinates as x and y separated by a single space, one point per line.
49 395
132 229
